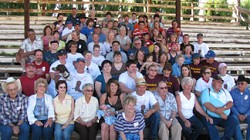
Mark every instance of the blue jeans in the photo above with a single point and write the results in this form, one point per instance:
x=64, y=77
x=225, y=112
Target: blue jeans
x=41, y=132
x=153, y=121
x=130, y=136
x=6, y=132
x=238, y=134
x=63, y=134
x=194, y=131
x=229, y=125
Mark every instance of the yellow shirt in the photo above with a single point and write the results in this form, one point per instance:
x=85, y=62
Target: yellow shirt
x=62, y=110
x=86, y=111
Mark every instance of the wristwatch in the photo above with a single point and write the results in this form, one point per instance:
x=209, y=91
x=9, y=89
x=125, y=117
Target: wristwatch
x=225, y=107
x=171, y=119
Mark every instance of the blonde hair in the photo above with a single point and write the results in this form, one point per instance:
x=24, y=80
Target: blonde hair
x=40, y=81
x=129, y=98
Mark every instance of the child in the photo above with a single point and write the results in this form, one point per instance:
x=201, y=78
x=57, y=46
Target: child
x=149, y=61
x=177, y=66
x=106, y=111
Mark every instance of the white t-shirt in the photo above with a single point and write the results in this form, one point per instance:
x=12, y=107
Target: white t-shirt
x=82, y=37
x=201, y=48
x=147, y=99
x=72, y=57
x=67, y=31
x=201, y=84
x=102, y=48
x=228, y=82
x=68, y=65
x=187, y=106
x=128, y=81
x=93, y=70
x=98, y=60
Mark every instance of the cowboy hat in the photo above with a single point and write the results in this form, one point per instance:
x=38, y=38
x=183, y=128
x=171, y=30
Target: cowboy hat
x=11, y=80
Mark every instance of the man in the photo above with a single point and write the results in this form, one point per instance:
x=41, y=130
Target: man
x=127, y=79
x=211, y=63
x=96, y=41
x=73, y=16
x=152, y=77
x=91, y=67
x=148, y=106
x=199, y=46
x=28, y=80
x=81, y=44
x=137, y=46
x=168, y=111
x=89, y=29
x=241, y=107
x=173, y=29
x=26, y=52
x=42, y=67
x=79, y=79
x=229, y=82
x=13, y=111
x=51, y=56
x=139, y=32
x=97, y=30
x=78, y=29
x=116, y=47
x=196, y=66
x=186, y=42
x=217, y=102
x=127, y=24
x=108, y=17
x=67, y=30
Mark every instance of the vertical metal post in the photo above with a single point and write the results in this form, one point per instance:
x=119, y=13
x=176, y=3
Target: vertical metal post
x=178, y=12
x=26, y=17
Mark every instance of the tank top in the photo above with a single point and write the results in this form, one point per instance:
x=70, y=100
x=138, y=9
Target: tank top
x=172, y=59
x=187, y=105
x=117, y=106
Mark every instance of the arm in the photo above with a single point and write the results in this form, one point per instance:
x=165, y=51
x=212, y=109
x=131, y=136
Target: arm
x=124, y=88
x=122, y=135
x=202, y=112
x=141, y=134
x=152, y=110
x=98, y=86
x=71, y=114
x=186, y=122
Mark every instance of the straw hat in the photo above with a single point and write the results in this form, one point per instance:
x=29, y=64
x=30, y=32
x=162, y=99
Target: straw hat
x=11, y=80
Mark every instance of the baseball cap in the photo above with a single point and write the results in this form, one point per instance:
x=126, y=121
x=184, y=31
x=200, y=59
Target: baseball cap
x=61, y=52
x=140, y=81
x=80, y=59
x=196, y=55
x=199, y=34
x=222, y=65
x=69, y=22
x=210, y=54
x=29, y=64
x=218, y=78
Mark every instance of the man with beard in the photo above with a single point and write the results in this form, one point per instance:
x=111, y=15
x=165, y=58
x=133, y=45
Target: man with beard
x=42, y=67
x=27, y=80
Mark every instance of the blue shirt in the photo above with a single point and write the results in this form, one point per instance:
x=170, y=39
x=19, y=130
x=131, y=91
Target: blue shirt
x=219, y=99
x=102, y=38
x=41, y=111
x=176, y=70
x=133, y=50
x=188, y=60
x=241, y=101
x=86, y=31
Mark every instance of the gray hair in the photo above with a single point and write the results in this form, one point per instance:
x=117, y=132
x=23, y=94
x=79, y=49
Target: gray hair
x=186, y=80
x=129, y=98
x=88, y=85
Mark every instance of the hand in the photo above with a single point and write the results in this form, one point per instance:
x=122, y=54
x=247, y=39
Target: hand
x=209, y=119
x=148, y=114
x=89, y=123
x=169, y=124
x=188, y=124
x=48, y=123
x=223, y=116
x=16, y=130
x=241, y=117
x=65, y=126
x=220, y=110
x=38, y=123
x=132, y=75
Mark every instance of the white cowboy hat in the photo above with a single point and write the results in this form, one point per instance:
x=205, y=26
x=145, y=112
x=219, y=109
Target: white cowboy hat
x=11, y=80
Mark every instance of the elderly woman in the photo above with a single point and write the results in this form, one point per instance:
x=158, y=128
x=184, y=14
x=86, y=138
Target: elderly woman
x=41, y=112
x=85, y=114
x=123, y=38
x=13, y=111
x=114, y=98
x=130, y=124
x=186, y=102
x=64, y=112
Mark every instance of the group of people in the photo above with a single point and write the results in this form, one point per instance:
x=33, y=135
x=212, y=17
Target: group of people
x=120, y=76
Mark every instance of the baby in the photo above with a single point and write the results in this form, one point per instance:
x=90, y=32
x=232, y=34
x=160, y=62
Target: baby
x=105, y=111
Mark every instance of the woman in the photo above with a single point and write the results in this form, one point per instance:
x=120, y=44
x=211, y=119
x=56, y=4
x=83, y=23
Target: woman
x=155, y=33
x=85, y=114
x=123, y=38
x=41, y=112
x=157, y=52
x=163, y=60
x=130, y=121
x=47, y=37
x=64, y=112
x=117, y=67
x=158, y=27
x=108, y=43
x=204, y=82
x=101, y=80
x=56, y=36
x=187, y=52
x=186, y=102
x=114, y=98
x=139, y=58
x=186, y=72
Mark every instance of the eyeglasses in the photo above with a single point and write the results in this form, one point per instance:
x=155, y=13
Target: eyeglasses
x=62, y=87
x=240, y=83
x=207, y=72
x=89, y=90
x=163, y=88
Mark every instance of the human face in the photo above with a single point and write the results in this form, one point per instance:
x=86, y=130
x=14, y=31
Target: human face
x=150, y=59
x=180, y=61
x=152, y=71
x=140, y=56
x=141, y=26
x=163, y=58
x=73, y=48
x=106, y=68
x=187, y=87
x=111, y=36
x=95, y=38
x=41, y=88
x=156, y=48
x=207, y=74
x=197, y=61
x=174, y=47
x=48, y=31
x=118, y=58
x=130, y=107
x=223, y=71
x=116, y=47
x=56, y=36
x=166, y=73
x=132, y=68
x=12, y=90
x=97, y=51
x=200, y=39
x=186, y=39
x=113, y=88
x=217, y=85
x=74, y=12
x=39, y=56
x=174, y=25
x=80, y=66
x=210, y=60
x=123, y=32
x=62, y=57
x=242, y=86
x=88, y=57
x=88, y=91
x=185, y=71
x=137, y=44
x=155, y=32
x=75, y=37
x=30, y=70
x=188, y=50
x=91, y=24
x=162, y=89
x=31, y=35
x=62, y=89
x=140, y=90
x=54, y=46
x=77, y=27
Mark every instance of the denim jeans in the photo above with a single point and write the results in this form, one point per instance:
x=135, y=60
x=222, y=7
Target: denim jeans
x=6, y=132
x=153, y=121
x=229, y=125
x=194, y=131
x=63, y=134
x=238, y=134
x=41, y=132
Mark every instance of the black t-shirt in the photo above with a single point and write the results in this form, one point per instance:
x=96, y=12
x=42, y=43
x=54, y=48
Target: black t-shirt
x=81, y=46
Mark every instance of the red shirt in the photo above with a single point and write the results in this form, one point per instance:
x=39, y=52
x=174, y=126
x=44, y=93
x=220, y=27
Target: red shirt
x=28, y=85
x=140, y=33
x=42, y=70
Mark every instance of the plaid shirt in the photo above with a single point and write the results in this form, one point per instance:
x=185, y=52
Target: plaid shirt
x=13, y=110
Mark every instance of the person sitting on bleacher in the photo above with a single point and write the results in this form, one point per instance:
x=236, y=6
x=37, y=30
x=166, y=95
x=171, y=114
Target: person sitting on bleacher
x=217, y=102
x=241, y=106
x=229, y=82
x=26, y=52
x=42, y=67
x=211, y=63
x=13, y=111
x=196, y=66
x=199, y=46
x=67, y=30
x=51, y=56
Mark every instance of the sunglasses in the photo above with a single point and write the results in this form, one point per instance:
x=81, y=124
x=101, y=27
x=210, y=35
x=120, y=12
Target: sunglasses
x=240, y=83
x=163, y=88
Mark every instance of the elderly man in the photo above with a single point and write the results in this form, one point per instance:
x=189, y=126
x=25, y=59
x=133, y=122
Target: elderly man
x=90, y=66
x=241, y=107
x=137, y=46
x=168, y=111
x=96, y=41
x=116, y=47
x=78, y=29
x=127, y=78
x=217, y=102
x=13, y=111
x=26, y=53
x=148, y=106
x=79, y=79
x=211, y=63
x=229, y=82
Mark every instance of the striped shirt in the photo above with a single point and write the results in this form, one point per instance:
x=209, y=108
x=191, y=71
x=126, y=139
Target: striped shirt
x=11, y=111
x=133, y=127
